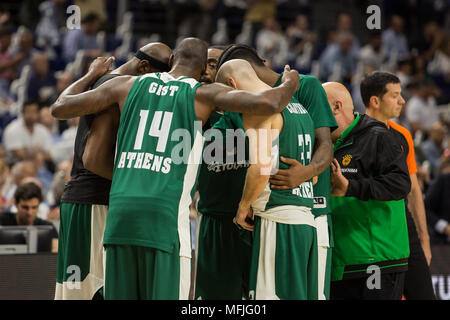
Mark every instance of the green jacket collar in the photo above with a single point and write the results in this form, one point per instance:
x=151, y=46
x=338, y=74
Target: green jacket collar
x=347, y=131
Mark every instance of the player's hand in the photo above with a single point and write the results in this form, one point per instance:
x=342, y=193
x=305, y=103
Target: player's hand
x=290, y=75
x=339, y=183
x=425, y=243
x=244, y=218
x=100, y=66
x=290, y=178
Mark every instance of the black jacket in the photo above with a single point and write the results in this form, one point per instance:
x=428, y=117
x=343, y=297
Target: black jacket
x=373, y=161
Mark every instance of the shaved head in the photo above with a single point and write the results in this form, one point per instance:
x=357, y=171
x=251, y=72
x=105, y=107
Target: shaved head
x=191, y=53
x=238, y=69
x=158, y=51
x=341, y=104
x=338, y=92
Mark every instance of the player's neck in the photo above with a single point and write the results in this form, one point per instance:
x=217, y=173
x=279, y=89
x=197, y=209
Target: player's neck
x=254, y=86
x=183, y=71
x=268, y=76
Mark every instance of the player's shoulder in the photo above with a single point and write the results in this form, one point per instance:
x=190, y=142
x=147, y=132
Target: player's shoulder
x=309, y=80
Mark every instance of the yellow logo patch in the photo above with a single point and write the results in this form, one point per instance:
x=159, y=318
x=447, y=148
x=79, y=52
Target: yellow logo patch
x=346, y=160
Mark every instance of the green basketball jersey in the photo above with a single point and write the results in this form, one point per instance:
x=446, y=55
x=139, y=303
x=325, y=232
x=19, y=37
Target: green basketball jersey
x=313, y=98
x=220, y=183
x=295, y=141
x=159, y=147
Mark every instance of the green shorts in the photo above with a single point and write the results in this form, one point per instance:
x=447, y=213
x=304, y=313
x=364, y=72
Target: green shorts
x=144, y=273
x=284, y=261
x=80, y=267
x=223, y=255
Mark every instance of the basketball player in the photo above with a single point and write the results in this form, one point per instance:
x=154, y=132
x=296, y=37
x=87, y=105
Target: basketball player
x=85, y=198
x=147, y=236
x=284, y=256
x=312, y=97
x=223, y=253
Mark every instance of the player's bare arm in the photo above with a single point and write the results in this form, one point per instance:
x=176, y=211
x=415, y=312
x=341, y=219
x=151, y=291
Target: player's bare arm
x=260, y=147
x=217, y=96
x=298, y=173
x=73, y=102
x=98, y=156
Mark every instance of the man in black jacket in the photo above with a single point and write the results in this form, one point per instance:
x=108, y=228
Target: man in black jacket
x=370, y=180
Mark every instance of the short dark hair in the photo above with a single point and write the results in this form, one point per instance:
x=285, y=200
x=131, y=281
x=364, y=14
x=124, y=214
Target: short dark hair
x=240, y=51
x=28, y=191
x=29, y=103
x=375, y=84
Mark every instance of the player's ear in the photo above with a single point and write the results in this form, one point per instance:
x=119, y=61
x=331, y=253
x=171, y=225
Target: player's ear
x=170, y=63
x=143, y=67
x=232, y=83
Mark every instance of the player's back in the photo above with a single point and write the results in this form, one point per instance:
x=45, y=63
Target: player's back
x=295, y=141
x=159, y=146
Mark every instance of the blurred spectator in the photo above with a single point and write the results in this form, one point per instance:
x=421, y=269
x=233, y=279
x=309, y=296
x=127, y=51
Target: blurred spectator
x=421, y=110
x=41, y=80
x=271, y=44
x=63, y=80
x=344, y=25
x=43, y=206
x=394, y=40
x=301, y=42
x=25, y=47
x=19, y=171
x=338, y=61
x=439, y=68
x=404, y=73
x=432, y=40
x=373, y=53
x=8, y=63
x=63, y=150
x=28, y=197
x=53, y=18
x=88, y=7
x=257, y=12
x=437, y=204
x=433, y=147
x=24, y=135
x=48, y=121
x=4, y=174
x=56, y=191
x=83, y=39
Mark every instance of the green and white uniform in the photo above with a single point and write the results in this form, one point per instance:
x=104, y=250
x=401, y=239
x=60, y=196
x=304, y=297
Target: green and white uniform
x=223, y=252
x=313, y=98
x=284, y=258
x=159, y=147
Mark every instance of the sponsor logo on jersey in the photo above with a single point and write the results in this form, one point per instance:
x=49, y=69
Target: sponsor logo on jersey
x=346, y=160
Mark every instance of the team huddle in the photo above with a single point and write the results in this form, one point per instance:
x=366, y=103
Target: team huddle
x=158, y=130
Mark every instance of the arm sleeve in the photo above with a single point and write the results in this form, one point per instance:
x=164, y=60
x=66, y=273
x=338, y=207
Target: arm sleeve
x=313, y=97
x=389, y=180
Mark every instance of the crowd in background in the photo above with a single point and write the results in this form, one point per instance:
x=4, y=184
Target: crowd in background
x=40, y=57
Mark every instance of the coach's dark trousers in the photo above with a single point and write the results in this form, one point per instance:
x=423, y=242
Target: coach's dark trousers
x=391, y=288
